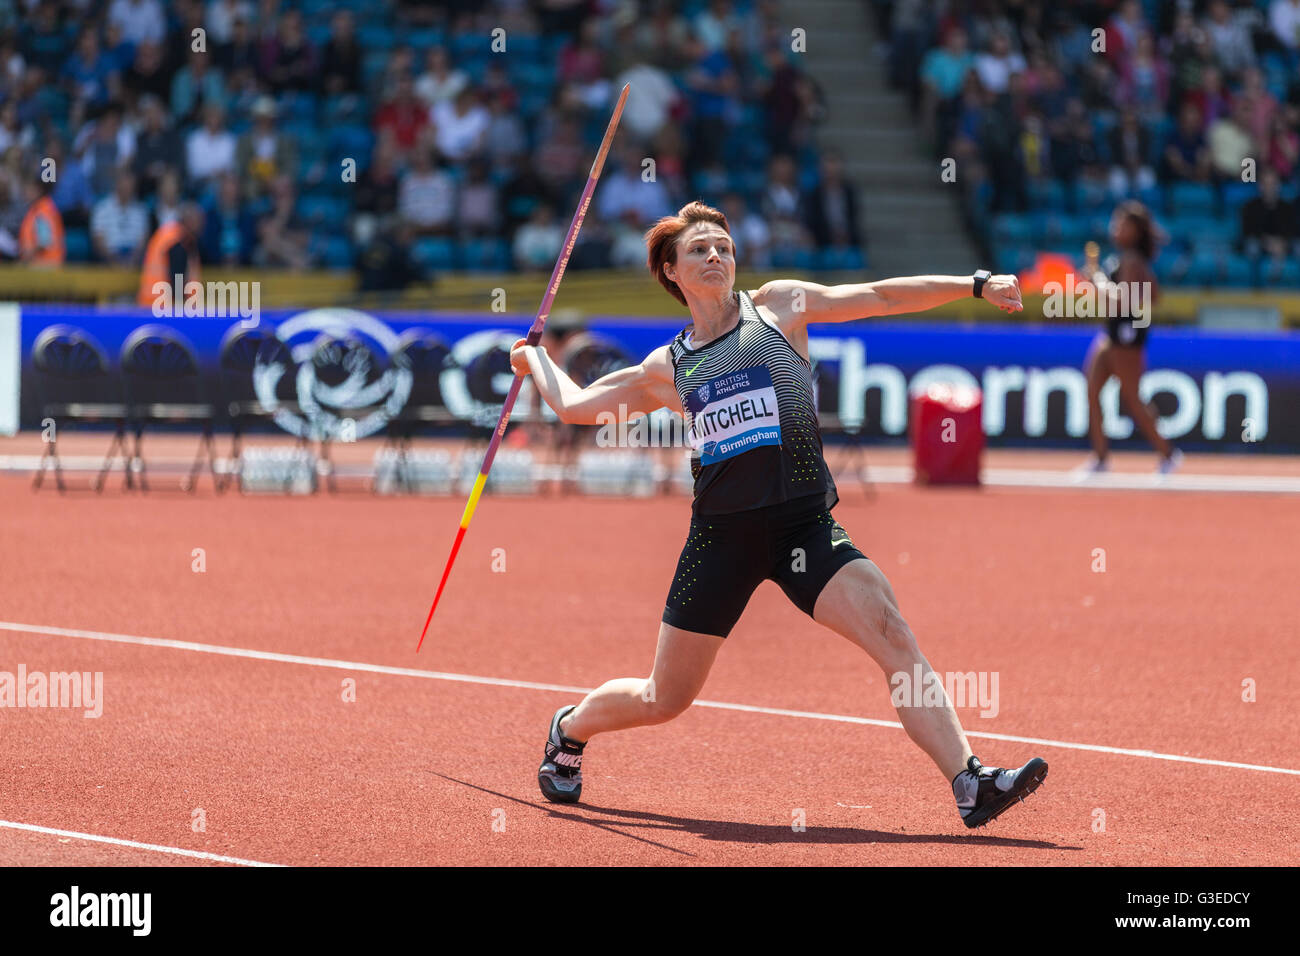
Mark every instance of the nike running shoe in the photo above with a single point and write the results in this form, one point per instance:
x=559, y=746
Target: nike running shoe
x=985, y=793
x=560, y=775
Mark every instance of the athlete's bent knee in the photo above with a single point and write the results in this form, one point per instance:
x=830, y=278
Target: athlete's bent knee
x=892, y=643
x=897, y=636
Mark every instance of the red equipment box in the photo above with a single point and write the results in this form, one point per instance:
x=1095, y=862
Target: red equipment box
x=947, y=434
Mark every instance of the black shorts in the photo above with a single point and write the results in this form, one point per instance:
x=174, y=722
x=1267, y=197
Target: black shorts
x=797, y=544
x=1124, y=334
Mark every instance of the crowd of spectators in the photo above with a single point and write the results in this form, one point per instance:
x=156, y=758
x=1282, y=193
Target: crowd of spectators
x=1057, y=106
x=393, y=137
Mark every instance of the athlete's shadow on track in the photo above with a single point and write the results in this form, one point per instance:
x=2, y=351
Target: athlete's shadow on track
x=731, y=831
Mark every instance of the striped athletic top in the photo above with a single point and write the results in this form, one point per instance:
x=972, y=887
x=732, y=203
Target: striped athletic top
x=751, y=417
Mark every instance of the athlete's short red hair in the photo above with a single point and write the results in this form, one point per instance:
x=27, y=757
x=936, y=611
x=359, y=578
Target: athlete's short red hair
x=661, y=240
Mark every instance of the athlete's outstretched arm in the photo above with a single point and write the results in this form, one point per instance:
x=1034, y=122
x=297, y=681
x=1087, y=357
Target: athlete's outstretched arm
x=796, y=302
x=637, y=389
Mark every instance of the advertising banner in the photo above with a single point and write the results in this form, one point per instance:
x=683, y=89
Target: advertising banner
x=337, y=370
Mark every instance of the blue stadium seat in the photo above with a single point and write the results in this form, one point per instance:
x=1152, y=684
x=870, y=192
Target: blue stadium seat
x=435, y=252
x=842, y=259
x=1099, y=227
x=308, y=137
x=530, y=74
x=1276, y=75
x=749, y=181
x=318, y=33
x=77, y=244
x=1187, y=198
x=1240, y=272
x=1094, y=197
x=1171, y=265
x=485, y=255
x=319, y=8
x=532, y=102
x=470, y=44
x=376, y=36
x=525, y=45
x=1022, y=258
x=756, y=152
x=1236, y=195
x=329, y=211
x=1204, y=231
x=1103, y=121
x=1064, y=228
x=1047, y=194
x=1161, y=129
x=317, y=172
x=334, y=251
x=1013, y=227
x=1153, y=197
x=1208, y=266
x=1290, y=278
x=794, y=259
x=423, y=39
x=554, y=44
x=709, y=181
x=299, y=106
x=351, y=139
x=345, y=108
x=373, y=64
x=474, y=66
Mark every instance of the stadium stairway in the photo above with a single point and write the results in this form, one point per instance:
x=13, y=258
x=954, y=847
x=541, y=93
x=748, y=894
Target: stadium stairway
x=911, y=221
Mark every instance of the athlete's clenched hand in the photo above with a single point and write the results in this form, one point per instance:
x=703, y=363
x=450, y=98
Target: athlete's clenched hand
x=1004, y=292
x=519, y=357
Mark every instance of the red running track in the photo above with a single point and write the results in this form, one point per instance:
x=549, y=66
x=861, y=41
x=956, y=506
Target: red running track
x=1198, y=595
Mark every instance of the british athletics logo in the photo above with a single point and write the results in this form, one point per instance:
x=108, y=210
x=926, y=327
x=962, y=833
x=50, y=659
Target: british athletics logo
x=733, y=414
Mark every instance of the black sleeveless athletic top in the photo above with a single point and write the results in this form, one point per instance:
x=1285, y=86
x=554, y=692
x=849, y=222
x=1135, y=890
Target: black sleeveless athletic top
x=1120, y=329
x=751, y=418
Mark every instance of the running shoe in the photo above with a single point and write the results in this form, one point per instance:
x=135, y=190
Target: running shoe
x=985, y=793
x=560, y=775
x=1170, y=464
x=1093, y=466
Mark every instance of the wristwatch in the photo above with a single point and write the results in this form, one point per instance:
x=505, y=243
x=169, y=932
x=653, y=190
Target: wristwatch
x=982, y=276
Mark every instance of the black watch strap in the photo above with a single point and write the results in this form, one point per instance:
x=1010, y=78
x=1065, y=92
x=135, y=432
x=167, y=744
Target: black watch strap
x=982, y=276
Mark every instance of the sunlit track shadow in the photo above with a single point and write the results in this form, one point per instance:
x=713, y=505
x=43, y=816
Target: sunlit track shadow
x=730, y=831
x=554, y=810
x=737, y=832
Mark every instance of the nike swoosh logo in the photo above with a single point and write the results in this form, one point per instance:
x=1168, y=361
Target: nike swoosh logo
x=836, y=544
x=697, y=365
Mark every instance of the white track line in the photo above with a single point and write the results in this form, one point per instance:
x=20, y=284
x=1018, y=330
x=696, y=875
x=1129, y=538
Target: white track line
x=564, y=688
x=151, y=847
x=1112, y=481
x=876, y=474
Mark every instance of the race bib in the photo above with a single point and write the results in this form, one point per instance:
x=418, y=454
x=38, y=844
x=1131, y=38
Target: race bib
x=733, y=413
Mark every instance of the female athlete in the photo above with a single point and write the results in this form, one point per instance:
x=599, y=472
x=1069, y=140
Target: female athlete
x=741, y=377
x=1127, y=286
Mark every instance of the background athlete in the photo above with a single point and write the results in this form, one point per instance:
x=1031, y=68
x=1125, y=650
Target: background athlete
x=1120, y=349
x=741, y=376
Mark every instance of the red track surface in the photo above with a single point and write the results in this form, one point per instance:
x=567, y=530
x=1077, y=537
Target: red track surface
x=1199, y=594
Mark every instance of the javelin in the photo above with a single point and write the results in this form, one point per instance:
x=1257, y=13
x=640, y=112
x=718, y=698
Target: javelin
x=534, y=336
